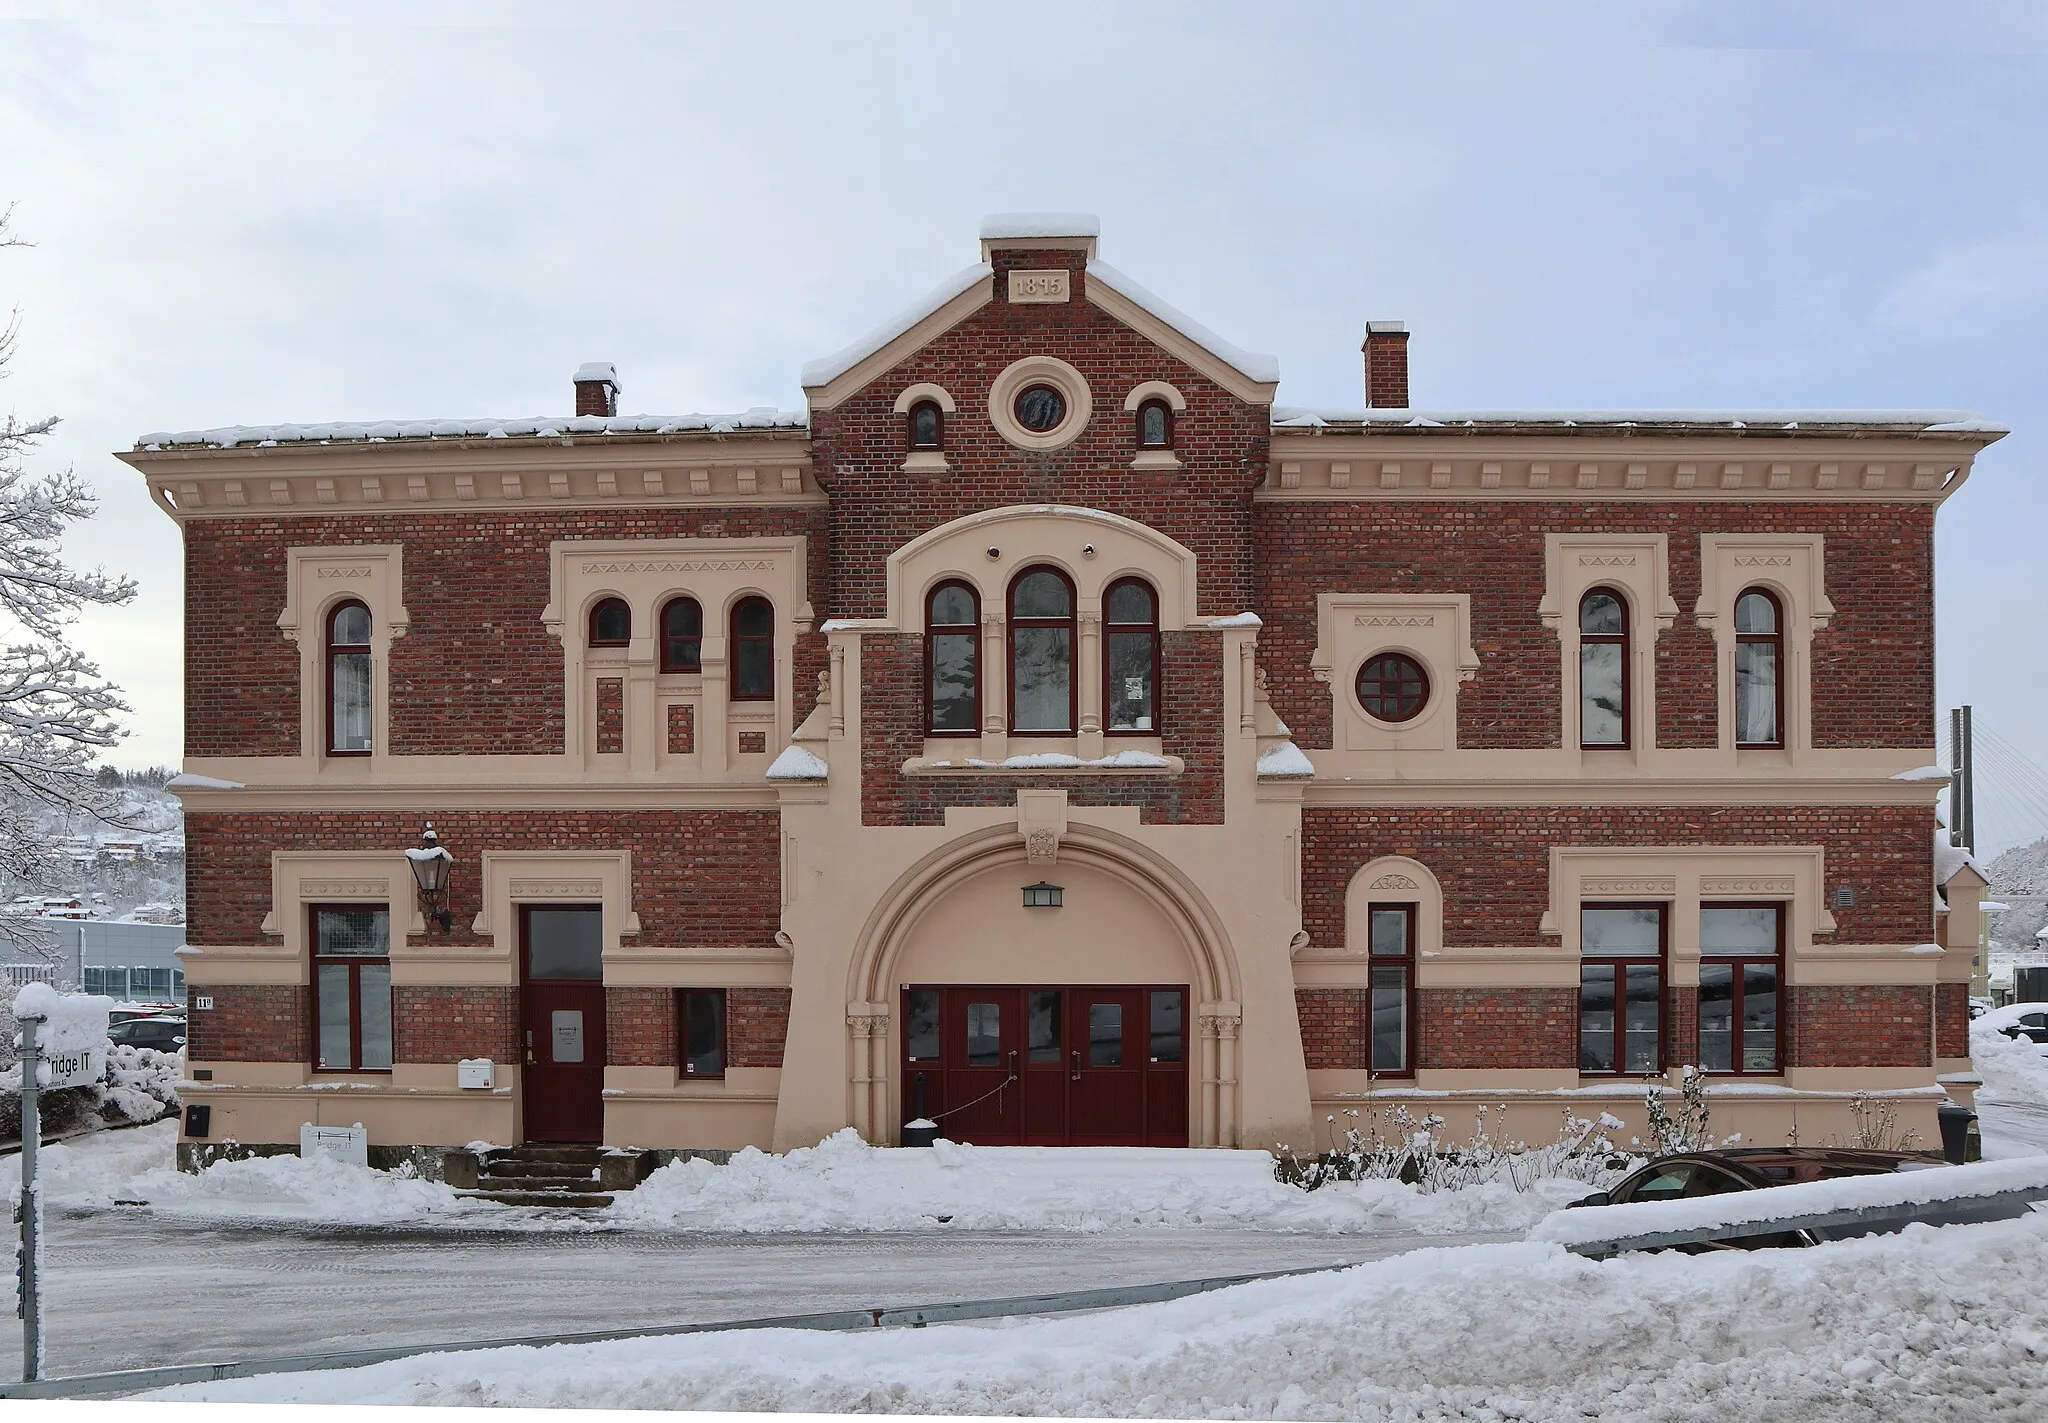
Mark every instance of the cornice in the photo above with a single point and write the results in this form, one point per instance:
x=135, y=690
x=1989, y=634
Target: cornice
x=1711, y=791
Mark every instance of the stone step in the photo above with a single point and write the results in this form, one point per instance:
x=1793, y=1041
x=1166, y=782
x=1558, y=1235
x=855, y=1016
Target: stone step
x=532, y=1151
x=510, y=1165
x=580, y=1186
x=573, y=1199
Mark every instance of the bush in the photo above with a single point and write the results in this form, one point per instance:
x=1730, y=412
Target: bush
x=1393, y=1144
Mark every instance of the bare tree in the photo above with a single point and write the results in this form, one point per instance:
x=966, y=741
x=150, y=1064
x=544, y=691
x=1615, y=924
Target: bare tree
x=57, y=711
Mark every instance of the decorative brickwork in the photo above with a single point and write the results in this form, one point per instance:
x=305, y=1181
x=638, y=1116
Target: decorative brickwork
x=1497, y=1027
x=1873, y=666
x=1682, y=1026
x=699, y=877
x=435, y=1023
x=476, y=673
x=876, y=507
x=1952, y=1019
x=756, y=1026
x=1494, y=861
x=252, y=1023
x=753, y=742
x=1335, y=1026
x=611, y=716
x=1861, y=1025
x=640, y=1026
x=1191, y=720
x=682, y=729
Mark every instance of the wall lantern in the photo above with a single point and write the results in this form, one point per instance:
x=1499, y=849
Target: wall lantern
x=1043, y=896
x=430, y=866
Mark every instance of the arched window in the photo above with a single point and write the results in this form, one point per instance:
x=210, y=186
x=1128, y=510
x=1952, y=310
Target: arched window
x=1155, y=425
x=1603, y=669
x=682, y=635
x=952, y=651
x=348, y=680
x=753, y=650
x=1130, y=651
x=1759, y=670
x=611, y=623
x=926, y=426
x=1041, y=651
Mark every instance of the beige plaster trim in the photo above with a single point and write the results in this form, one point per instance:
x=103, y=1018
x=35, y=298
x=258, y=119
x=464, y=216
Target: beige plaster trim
x=1636, y=566
x=1155, y=390
x=431, y=784
x=1176, y=344
x=925, y=390
x=1513, y=778
x=515, y=877
x=316, y=581
x=1792, y=566
x=1156, y=461
x=1391, y=879
x=743, y=966
x=925, y=462
x=1076, y=243
x=1433, y=628
x=301, y=878
x=269, y=966
x=1040, y=370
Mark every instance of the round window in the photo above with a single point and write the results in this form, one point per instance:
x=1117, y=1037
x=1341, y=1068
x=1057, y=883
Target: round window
x=1392, y=687
x=1040, y=408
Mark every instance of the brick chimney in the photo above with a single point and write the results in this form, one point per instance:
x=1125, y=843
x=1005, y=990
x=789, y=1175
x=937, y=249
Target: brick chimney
x=1386, y=365
x=597, y=389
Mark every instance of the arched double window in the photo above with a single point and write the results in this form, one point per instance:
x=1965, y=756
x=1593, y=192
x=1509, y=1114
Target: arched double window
x=925, y=426
x=1041, y=651
x=1759, y=670
x=1155, y=425
x=682, y=635
x=611, y=623
x=952, y=653
x=1603, y=670
x=1130, y=652
x=348, y=679
x=753, y=650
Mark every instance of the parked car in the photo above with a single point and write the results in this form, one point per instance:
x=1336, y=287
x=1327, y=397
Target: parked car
x=2030, y=1025
x=163, y=1034
x=1687, y=1175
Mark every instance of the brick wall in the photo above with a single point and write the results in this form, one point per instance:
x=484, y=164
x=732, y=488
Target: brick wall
x=439, y=1023
x=858, y=446
x=1494, y=862
x=682, y=729
x=252, y=1023
x=699, y=877
x=1841, y=1025
x=1873, y=666
x=1682, y=1025
x=892, y=731
x=477, y=673
x=1497, y=1027
x=611, y=716
x=1952, y=1019
x=1336, y=1026
x=640, y=1027
x=757, y=1026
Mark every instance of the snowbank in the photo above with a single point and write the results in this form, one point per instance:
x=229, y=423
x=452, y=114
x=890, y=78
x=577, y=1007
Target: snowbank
x=843, y=1184
x=2013, y=1069
x=1925, y=1324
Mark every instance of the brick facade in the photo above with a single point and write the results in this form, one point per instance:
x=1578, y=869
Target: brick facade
x=640, y=1026
x=1497, y=1027
x=439, y=1023
x=1861, y=1025
x=253, y=1022
x=1952, y=1019
x=756, y=1026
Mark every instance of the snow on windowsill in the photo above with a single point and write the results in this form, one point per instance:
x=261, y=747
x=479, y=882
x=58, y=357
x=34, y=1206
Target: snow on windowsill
x=1924, y=773
x=1238, y=620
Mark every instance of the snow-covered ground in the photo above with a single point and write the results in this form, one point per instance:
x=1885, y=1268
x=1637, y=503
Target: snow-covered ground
x=1926, y=1325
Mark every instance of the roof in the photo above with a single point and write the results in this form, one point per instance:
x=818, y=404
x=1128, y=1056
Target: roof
x=1647, y=421
x=999, y=225
x=761, y=417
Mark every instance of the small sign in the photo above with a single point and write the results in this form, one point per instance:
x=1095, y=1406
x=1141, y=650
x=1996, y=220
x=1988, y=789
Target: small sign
x=1039, y=285
x=203, y=1002
x=350, y=1144
x=568, y=1026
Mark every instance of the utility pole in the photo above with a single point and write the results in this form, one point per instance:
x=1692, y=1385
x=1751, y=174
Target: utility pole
x=29, y=1214
x=1962, y=786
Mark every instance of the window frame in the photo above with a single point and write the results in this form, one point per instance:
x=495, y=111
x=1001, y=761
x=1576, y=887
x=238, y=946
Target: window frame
x=1776, y=641
x=1618, y=964
x=911, y=444
x=1421, y=674
x=723, y=999
x=1405, y=961
x=335, y=650
x=315, y=960
x=1736, y=963
x=1621, y=640
x=1165, y=408
x=1150, y=630
x=591, y=638
x=736, y=641
x=1071, y=622
x=661, y=624
x=931, y=629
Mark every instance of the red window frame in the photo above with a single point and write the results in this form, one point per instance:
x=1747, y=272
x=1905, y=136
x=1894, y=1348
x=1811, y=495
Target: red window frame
x=1069, y=622
x=717, y=1001
x=1405, y=962
x=1621, y=640
x=1165, y=409
x=1775, y=640
x=598, y=610
x=973, y=630
x=354, y=962
x=1736, y=963
x=670, y=639
x=1618, y=965
x=337, y=650
x=740, y=641
x=938, y=439
x=1149, y=629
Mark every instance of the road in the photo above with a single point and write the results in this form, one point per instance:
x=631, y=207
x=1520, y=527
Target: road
x=129, y=1291
x=2011, y=1127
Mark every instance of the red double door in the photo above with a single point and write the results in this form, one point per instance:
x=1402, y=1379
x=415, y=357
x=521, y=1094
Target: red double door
x=1048, y=1066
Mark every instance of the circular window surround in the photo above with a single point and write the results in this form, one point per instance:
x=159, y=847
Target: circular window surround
x=1430, y=700
x=1021, y=376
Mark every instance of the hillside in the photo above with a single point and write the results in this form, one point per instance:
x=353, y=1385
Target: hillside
x=2015, y=875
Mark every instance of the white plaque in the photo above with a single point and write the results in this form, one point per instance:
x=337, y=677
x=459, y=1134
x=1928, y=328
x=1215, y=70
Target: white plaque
x=1046, y=284
x=568, y=1026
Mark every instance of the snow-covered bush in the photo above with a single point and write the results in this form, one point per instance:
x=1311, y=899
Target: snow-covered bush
x=140, y=1085
x=1394, y=1144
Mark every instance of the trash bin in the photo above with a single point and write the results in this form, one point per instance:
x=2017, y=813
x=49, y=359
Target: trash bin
x=1955, y=1132
x=920, y=1132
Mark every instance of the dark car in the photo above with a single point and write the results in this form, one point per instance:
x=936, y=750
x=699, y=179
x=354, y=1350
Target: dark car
x=1712, y=1173
x=2028, y=1025
x=163, y=1034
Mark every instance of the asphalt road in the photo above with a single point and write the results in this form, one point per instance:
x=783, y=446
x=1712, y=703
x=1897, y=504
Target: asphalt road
x=2012, y=1124
x=130, y=1291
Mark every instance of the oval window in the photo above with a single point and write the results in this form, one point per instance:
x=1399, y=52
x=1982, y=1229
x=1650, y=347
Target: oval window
x=1040, y=408
x=1393, y=687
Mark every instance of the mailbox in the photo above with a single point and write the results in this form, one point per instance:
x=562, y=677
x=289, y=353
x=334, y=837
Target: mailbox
x=474, y=1073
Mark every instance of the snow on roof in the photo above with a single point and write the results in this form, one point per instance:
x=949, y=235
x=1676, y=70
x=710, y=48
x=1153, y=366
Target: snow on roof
x=829, y=368
x=998, y=225
x=761, y=417
x=1255, y=365
x=1949, y=860
x=797, y=763
x=1296, y=417
x=598, y=370
x=1285, y=760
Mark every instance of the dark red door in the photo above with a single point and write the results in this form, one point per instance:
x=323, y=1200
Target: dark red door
x=561, y=953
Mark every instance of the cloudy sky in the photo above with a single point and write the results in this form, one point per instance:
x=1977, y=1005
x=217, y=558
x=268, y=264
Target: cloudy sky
x=265, y=212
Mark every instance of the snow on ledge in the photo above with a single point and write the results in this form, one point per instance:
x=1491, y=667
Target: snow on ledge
x=1296, y=417
x=798, y=764
x=1923, y=773
x=1925, y=949
x=998, y=225
x=227, y=437
x=1238, y=620
x=1253, y=364
x=1285, y=761
x=201, y=783
x=827, y=369
x=1057, y=761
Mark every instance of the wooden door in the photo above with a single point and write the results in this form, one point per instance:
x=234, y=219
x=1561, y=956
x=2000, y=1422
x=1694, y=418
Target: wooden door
x=561, y=954
x=983, y=1045
x=1106, y=1061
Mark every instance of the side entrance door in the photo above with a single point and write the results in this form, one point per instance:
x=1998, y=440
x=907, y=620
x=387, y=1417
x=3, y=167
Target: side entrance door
x=561, y=953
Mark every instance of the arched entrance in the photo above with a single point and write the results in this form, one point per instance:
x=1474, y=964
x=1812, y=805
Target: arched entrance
x=1110, y=1019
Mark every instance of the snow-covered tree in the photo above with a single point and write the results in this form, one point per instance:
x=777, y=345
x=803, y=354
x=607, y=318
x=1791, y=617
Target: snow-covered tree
x=57, y=712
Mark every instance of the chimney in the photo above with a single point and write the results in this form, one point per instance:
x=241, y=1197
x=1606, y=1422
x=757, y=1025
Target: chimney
x=1386, y=365
x=597, y=389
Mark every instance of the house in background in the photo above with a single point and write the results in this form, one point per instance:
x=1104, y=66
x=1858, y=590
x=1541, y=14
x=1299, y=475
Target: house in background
x=1046, y=734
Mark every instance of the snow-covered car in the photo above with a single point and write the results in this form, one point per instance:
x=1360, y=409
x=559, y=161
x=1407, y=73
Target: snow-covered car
x=1688, y=1175
x=162, y=1034
x=2018, y=1021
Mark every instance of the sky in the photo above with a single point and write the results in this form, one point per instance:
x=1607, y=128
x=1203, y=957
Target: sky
x=253, y=213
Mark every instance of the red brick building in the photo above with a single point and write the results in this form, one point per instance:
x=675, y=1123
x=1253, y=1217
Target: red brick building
x=1046, y=734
